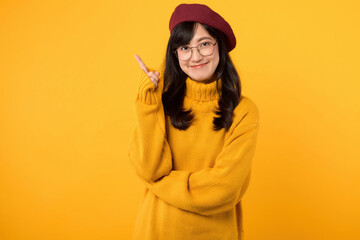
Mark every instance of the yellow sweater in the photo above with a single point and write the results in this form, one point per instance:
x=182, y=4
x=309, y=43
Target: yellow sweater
x=194, y=179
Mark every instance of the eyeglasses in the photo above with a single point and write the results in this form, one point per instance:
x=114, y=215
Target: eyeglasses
x=184, y=53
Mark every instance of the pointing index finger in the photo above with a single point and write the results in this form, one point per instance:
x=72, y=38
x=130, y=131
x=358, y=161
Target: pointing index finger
x=141, y=63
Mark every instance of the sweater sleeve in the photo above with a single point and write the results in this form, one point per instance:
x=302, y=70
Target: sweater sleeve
x=217, y=189
x=149, y=152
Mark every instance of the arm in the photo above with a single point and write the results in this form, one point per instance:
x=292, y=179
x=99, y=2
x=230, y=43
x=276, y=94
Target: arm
x=149, y=151
x=208, y=191
x=218, y=189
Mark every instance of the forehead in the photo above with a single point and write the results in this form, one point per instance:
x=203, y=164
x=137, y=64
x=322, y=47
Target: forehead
x=200, y=34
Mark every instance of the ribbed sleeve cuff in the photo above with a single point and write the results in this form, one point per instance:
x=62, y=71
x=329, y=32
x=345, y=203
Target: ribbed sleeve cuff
x=147, y=91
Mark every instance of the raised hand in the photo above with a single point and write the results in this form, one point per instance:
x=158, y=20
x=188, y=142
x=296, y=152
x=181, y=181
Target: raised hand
x=153, y=76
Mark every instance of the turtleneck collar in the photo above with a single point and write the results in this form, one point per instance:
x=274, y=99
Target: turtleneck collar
x=203, y=92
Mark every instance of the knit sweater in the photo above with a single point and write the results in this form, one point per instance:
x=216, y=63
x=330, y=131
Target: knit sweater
x=195, y=178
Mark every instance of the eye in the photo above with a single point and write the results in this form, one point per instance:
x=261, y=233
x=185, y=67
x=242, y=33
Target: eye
x=204, y=44
x=184, y=48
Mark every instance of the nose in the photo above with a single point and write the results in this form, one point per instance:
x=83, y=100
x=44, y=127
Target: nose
x=195, y=56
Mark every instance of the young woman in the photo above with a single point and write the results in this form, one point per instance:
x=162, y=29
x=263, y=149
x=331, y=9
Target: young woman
x=195, y=134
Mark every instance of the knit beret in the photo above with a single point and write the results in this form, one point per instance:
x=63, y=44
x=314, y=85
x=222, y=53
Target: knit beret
x=202, y=14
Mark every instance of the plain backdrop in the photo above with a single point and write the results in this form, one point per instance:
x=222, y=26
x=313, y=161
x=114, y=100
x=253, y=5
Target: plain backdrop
x=68, y=78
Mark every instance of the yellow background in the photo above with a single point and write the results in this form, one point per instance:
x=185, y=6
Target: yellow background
x=68, y=78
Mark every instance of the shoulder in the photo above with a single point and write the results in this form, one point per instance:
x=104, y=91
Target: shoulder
x=245, y=113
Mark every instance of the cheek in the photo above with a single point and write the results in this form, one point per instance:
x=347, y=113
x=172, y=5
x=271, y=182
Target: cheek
x=182, y=66
x=216, y=57
x=216, y=61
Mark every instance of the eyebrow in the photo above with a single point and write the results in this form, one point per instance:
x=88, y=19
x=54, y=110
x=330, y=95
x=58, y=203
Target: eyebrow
x=200, y=39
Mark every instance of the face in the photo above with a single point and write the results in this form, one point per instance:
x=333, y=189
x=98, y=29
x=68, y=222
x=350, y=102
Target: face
x=198, y=67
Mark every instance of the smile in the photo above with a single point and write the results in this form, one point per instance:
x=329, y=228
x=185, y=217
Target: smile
x=199, y=66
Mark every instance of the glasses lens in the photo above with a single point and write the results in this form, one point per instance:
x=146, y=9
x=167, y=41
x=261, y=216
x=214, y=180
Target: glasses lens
x=183, y=53
x=206, y=48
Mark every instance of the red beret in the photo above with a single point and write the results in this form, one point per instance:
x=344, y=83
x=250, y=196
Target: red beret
x=202, y=14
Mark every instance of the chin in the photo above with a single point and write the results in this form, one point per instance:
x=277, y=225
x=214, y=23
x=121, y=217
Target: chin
x=198, y=79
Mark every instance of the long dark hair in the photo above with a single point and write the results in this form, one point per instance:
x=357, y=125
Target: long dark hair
x=175, y=86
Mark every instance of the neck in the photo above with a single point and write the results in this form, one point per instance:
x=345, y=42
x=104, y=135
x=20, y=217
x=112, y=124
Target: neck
x=207, y=81
x=203, y=91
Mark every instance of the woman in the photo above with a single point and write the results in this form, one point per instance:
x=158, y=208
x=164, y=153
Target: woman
x=195, y=134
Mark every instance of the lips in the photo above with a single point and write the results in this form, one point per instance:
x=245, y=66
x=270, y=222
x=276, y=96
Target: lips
x=199, y=66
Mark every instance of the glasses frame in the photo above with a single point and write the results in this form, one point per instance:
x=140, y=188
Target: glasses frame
x=197, y=47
